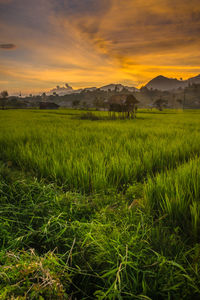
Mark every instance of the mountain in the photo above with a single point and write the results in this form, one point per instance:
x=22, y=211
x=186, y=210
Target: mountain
x=163, y=83
x=195, y=79
x=92, y=89
x=117, y=88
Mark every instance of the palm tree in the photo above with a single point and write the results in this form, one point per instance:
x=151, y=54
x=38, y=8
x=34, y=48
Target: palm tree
x=3, y=97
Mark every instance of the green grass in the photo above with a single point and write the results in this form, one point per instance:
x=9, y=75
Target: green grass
x=102, y=209
x=89, y=156
x=177, y=194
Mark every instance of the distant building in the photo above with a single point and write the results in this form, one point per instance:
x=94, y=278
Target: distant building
x=48, y=105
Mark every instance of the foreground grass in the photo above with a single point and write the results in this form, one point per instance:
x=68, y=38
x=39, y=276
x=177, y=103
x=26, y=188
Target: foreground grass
x=177, y=194
x=99, y=210
x=88, y=248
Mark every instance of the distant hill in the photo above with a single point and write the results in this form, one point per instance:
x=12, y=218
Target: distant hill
x=195, y=79
x=163, y=83
x=67, y=90
x=117, y=88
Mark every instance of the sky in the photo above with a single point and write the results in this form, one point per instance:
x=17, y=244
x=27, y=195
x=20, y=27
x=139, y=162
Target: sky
x=45, y=43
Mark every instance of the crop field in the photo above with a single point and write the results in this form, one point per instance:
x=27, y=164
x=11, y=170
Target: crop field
x=99, y=209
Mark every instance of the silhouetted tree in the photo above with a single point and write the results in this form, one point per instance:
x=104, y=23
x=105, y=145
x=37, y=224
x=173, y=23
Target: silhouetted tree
x=180, y=101
x=3, y=97
x=75, y=103
x=44, y=97
x=160, y=104
x=85, y=105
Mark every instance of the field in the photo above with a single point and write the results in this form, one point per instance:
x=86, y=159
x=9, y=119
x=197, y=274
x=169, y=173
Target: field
x=99, y=209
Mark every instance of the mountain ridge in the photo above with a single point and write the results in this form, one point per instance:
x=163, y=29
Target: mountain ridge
x=163, y=83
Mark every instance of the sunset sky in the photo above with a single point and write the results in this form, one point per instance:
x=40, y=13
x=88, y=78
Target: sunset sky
x=44, y=43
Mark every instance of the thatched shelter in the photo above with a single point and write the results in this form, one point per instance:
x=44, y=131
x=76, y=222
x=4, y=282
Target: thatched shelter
x=125, y=105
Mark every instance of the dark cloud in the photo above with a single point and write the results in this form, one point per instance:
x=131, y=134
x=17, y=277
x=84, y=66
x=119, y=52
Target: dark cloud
x=7, y=46
x=80, y=7
x=85, y=15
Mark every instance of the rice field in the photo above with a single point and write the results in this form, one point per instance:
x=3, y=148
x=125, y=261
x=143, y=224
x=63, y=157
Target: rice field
x=102, y=209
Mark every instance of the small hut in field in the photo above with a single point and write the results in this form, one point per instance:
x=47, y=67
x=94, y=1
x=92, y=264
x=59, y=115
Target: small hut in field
x=48, y=105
